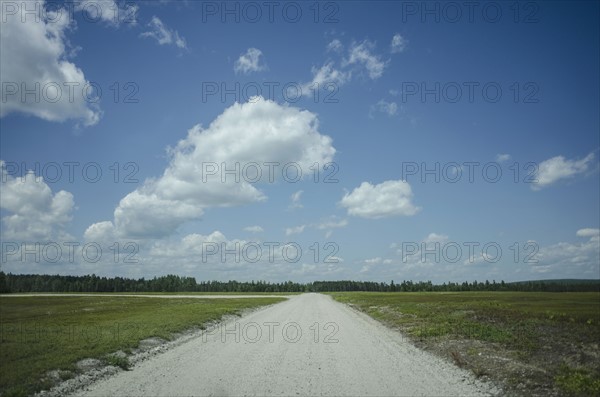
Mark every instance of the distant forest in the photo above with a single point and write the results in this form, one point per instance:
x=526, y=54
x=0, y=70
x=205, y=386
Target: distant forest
x=171, y=283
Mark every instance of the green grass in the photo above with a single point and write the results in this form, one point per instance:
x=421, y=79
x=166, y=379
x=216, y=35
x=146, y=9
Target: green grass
x=154, y=293
x=577, y=381
x=549, y=331
x=39, y=334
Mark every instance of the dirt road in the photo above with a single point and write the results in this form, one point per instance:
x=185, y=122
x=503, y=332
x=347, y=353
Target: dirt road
x=308, y=345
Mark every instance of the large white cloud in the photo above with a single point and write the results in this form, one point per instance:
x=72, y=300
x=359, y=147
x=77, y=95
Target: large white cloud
x=552, y=170
x=390, y=198
x=34, y=57
x=35, y=213
x=255, y=133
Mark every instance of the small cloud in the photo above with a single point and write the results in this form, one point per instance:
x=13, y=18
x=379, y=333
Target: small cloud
x=294, y=230
x=389, y=108
x=398, y=44
x=325, y=75
x=501, y=158
x=361, y=53
x=295, y=198
x=435, y=238
x=332, y=223
x=250, y=62
x=335, y=45
x=163, y=34
x=588, y=232
x=370, y=263
x=389, y=198
x=557, y=168
x=254, y=229
x=108, y=11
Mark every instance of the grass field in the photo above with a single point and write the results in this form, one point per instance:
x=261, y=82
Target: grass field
x=534, y=343
x=39, y=334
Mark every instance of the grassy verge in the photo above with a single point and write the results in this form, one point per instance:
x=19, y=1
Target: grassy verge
x=533, y=343
x=40, y=334
x=154, y=293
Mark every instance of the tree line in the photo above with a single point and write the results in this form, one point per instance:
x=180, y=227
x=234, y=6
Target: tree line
x=14, y=283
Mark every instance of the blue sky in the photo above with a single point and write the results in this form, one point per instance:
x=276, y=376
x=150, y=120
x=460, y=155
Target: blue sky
x=403, y=87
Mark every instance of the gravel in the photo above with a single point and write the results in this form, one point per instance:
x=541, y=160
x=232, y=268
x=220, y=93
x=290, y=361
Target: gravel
x=308, y=345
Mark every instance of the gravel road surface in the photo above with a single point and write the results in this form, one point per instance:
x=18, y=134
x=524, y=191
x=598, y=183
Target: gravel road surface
x=309, y=345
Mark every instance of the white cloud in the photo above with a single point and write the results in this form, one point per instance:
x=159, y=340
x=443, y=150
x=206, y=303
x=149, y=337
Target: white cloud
x=332, y=223
x=204, y=248
x=335, y=45
x=36, y=214
x=398, y=44
x=482, y=257
x=259, y=131
x=254, y=229
x=581, y=260
x=361, y=53
x=100, y=232
x=501, y=158
x=163, y=34
x=424, y=253
x=294, y=230
x=557, y=168
x=34, y=57
x=369, y=264
x=435, y=238
x=588, y=232
x=390, y=198
x=295, y=198
x=108, y=11
x=154, y=211
x=323, y=77
x=389, y=108
x=313, y=271
x=250, y=62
